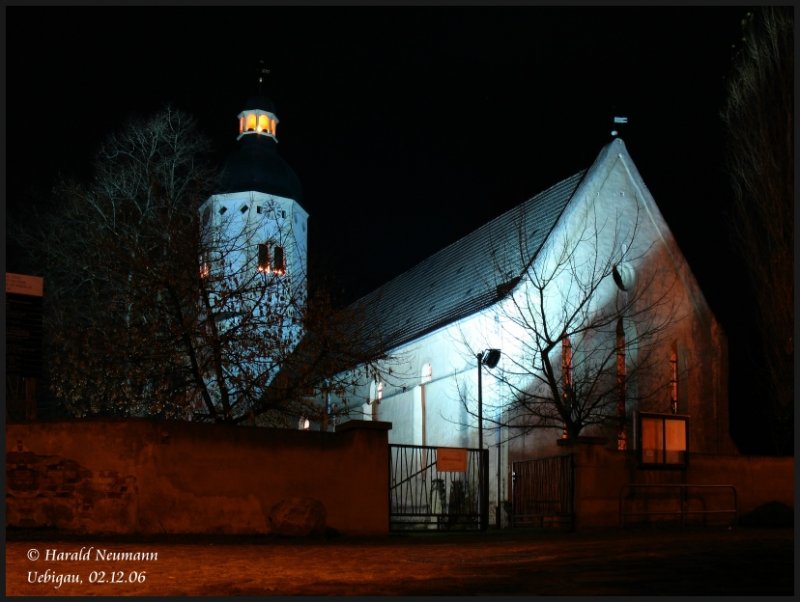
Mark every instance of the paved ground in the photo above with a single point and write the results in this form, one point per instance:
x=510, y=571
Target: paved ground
x=615, y=562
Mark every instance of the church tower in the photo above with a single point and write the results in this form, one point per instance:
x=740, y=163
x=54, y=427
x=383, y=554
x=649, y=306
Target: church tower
x=254, y=229
x=254, y=258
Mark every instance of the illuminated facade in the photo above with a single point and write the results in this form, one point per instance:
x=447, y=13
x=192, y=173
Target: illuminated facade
x=589, y=263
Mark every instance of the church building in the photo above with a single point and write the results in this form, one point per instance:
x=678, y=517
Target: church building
x=571, y=316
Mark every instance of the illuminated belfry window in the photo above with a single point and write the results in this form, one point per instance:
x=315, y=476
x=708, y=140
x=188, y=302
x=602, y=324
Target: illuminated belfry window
x=271, y=259
x=256, y=121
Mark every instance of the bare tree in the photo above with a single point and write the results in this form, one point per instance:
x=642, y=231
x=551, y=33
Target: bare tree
x=759, y=119
x=149, y=315
x=580, y=330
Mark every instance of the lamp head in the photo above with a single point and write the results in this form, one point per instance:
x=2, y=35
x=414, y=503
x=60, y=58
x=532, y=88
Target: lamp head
x=490, y=357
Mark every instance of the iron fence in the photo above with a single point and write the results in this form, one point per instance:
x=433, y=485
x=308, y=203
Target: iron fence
x=543, y=492
x=424, y=493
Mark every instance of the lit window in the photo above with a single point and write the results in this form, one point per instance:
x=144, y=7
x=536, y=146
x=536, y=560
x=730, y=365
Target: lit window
x=263, y=124
x=205, y=265
x=279, y=264
x=241, y=125
x=251, y=122
x=271, y=259
x=663, y=440
x=263, y=258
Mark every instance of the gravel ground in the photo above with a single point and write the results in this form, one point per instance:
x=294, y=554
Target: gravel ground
x=615, y=562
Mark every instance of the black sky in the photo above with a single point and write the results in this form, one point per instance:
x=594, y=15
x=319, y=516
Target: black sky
x=408, y=127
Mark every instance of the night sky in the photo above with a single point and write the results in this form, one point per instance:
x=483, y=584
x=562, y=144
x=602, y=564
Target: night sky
x=408, y=127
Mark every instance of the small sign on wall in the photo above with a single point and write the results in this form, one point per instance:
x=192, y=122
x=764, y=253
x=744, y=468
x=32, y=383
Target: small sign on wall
x=451, y=459
x=22, y=284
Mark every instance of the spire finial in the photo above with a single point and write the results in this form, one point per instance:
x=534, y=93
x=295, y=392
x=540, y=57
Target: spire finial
x=262, y=73
x=618, y=122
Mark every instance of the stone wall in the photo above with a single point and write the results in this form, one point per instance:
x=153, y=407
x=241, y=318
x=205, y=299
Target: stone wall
x=601, y=474
x=142, y=476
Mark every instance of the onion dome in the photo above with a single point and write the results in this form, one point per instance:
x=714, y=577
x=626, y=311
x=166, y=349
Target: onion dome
x=255, y=165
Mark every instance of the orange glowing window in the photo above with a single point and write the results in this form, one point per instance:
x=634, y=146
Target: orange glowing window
x=263, y=123
x=251, y=122
x=271, y=259
x=279, y=264
x=263, y=258
x=241, y=125
x=663, y=439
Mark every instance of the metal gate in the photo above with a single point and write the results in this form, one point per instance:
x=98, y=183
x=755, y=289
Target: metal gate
x=543, y=492
x=426, y=493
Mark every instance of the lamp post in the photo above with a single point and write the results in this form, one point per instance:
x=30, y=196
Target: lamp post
x=488, y=358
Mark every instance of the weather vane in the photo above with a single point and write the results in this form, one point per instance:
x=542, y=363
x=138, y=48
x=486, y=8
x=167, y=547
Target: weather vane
x=262, y=71
x=618, y=122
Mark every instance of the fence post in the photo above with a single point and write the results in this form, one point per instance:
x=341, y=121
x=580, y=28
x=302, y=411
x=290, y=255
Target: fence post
x=484, y=486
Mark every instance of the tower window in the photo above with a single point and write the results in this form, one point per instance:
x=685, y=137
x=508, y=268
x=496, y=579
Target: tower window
x=279, y=265
x=271, y=260
x=243, y=208
x=258, y=209
x=263, y=258
x=222, y=210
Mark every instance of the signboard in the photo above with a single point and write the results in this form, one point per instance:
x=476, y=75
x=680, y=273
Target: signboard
x=22, y=284
x=451, y=459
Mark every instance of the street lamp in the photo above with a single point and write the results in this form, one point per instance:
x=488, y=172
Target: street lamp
x=488, y=358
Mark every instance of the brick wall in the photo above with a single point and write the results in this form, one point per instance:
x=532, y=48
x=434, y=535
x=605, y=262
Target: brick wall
x=142, y=476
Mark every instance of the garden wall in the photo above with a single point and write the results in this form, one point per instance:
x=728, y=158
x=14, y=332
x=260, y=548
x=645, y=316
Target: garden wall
x=601, y=474
x=144, y=476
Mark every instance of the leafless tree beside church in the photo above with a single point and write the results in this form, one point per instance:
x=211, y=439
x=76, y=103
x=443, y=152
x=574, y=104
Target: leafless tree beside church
x=136, y=323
